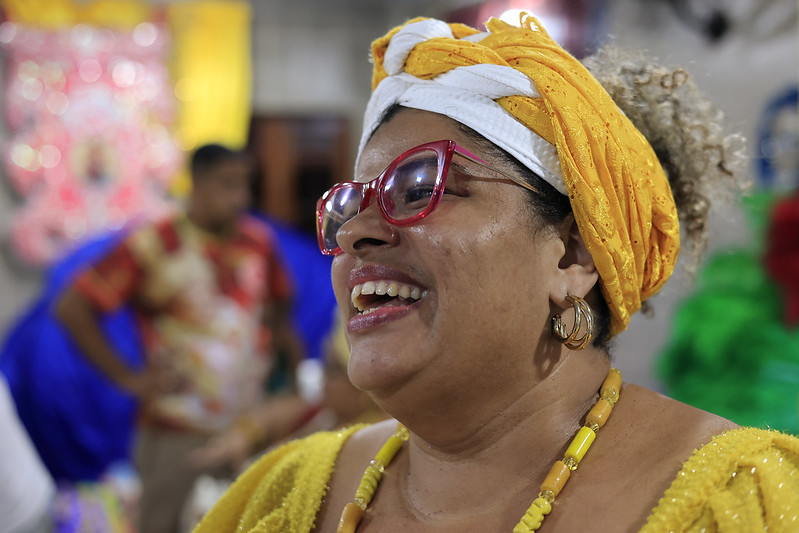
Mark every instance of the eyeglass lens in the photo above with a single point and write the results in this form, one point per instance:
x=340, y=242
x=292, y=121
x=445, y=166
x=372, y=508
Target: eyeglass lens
x=405, y=191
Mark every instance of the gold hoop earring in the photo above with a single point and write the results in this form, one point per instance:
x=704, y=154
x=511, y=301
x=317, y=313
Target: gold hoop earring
x=582, y=312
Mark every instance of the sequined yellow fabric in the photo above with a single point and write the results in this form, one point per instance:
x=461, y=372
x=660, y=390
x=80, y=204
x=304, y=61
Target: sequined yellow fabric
x=281, y=492
x=620, y=196
x=742, y=481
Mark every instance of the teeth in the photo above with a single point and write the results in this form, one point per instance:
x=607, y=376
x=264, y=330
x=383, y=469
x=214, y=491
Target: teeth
x=381, y=288
x=368, y=287
x=384, y=287
x=393, y=289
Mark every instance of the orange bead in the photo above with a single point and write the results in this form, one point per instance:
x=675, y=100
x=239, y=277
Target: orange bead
x=612, y=381
x=557, y=478
x=599, y=413
x=350, y=518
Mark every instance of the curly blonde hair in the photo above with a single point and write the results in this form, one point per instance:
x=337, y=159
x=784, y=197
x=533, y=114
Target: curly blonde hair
x=686, y=130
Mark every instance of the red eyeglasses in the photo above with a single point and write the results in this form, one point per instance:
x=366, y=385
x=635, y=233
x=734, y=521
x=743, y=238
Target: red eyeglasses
x=408, y=190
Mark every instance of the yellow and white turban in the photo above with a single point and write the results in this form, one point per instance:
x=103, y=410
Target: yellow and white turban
x=520, y=90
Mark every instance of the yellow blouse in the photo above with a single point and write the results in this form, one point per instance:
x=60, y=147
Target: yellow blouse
x=743, y=480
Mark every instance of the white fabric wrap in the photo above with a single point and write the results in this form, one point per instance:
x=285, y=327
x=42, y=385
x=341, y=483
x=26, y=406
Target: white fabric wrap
x=464, y=94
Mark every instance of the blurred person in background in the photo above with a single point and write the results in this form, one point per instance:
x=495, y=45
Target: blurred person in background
x=212, y=300
x=782, y=254
x=26, y=488
x=328, y=401
x=343, y=403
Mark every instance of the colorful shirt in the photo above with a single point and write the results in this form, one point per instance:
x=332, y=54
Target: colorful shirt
x=743, y=480
x=199, y=299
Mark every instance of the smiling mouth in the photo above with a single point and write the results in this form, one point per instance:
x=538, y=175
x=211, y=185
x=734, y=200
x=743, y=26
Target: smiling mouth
x=372, y=295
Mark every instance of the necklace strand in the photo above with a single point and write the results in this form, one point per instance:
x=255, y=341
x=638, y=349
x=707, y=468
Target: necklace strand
x=550, y=489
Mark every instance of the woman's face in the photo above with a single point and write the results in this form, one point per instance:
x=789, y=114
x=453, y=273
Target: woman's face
x=484, y=273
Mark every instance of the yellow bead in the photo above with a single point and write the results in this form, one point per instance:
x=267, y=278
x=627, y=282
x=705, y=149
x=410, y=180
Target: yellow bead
x=369, y=482
x=599, y=413
x=350, y=518
x=353, y=512
x=402, y=432
x=521, y=528
x=533, y=518
x=611, y=395
x=579, y=446
x=373, y=472
x=571, y=462
x=545, y=506
x=389, y=449
x=612, y=382
x=535, y=513
x=547, y=495
x=555, y=480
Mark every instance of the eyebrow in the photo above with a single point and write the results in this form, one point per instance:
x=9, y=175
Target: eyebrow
x=476, y=160
x=457, y=165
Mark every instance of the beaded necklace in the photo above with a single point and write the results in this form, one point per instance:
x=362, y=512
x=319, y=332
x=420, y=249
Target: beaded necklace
x=550, y=488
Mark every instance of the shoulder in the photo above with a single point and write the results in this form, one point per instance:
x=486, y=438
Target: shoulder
x=712, y=474
x=637, y=454
x=659, y=433
x=283, y=489
x=155, y=238
x=682, y=425
x=355, y=456
x=745, y=479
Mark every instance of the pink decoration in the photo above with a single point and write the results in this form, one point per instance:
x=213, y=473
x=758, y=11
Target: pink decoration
x=89, y=112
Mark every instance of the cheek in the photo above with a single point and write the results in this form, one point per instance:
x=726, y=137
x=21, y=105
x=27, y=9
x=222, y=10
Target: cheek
x=495, y=264
x=342, y=264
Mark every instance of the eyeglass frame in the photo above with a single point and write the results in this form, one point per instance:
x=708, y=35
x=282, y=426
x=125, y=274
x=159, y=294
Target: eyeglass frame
x=444, y=149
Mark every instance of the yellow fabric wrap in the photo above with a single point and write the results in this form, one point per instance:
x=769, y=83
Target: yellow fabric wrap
x=620, y=196
x=743, y=480
x=282, y=491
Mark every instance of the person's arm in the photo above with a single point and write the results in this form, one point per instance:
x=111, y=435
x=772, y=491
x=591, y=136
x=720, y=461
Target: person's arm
x=277, y=317
x=268, y=423
x=81, y=321
x=277, y=311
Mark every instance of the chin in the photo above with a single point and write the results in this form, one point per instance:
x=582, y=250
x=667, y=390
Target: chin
x=376, y=370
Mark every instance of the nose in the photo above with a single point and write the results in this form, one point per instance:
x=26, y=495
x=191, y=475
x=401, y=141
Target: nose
x=365, y=231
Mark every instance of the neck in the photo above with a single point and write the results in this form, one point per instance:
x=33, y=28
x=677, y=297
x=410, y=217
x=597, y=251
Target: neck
x=207, y=226
x=505, y=454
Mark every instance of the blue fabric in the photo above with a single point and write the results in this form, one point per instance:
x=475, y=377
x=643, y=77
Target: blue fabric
x=78, y=421
x=314, y=301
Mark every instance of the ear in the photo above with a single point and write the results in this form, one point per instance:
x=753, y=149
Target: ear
x=577, y=273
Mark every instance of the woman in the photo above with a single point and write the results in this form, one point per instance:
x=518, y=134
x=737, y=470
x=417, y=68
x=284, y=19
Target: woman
x=498, y=188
